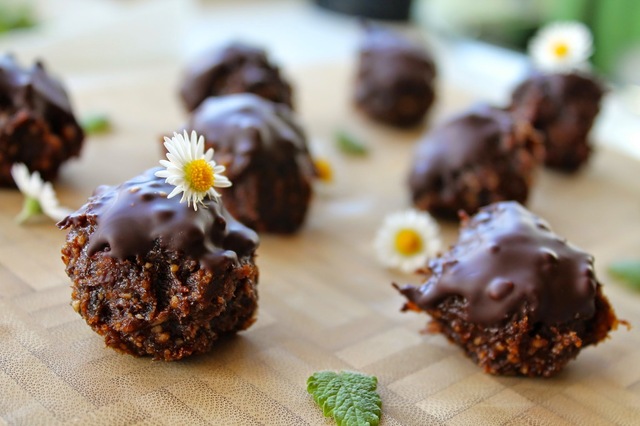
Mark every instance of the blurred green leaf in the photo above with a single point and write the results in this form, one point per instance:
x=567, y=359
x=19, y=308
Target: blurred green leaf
x=627, y=271
x=350, y=145
x=96, y=124
x=13, y=18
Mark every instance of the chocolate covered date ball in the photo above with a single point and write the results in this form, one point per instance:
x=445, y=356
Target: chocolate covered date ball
x=37, y=125
x=266, y=156
x=477, y=158
x=233, y=68
x=563, y=108
x=395, y=76
x=156, y=277
x=516, y=297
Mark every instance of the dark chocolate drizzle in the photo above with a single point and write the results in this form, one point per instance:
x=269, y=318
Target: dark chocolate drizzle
x=233, y=68
x=245, y=128
x=505, y=258
x=132, y=217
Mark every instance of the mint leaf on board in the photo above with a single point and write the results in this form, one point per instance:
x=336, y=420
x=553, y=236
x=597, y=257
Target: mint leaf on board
x=627, y=271
x=349, y=397
x=96, y=124
x=350, y=145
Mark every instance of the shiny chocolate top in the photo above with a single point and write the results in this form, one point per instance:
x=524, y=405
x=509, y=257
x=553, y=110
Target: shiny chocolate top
x=475, y=137
x=132, y=217
x=34, y=90
x=233, y=68
x=507, y=259
x=245, y=129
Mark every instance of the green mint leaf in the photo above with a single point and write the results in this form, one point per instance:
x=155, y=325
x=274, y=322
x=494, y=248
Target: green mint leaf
x=96, y=124
x=349, y=145
x=627, y=271
x=349, y=397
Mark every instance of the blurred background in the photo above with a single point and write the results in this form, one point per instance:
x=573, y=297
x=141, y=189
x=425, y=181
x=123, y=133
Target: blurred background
x=479, y=46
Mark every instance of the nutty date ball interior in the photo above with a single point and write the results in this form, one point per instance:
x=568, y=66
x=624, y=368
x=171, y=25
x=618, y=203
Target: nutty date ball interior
x=156, y=277
x=516, y=297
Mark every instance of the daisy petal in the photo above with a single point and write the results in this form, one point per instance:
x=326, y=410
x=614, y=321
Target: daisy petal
x=561, y=47
x=193, y=172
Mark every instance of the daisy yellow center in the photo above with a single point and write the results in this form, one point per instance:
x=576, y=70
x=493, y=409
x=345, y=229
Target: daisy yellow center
x=199, y=175
x=323, y=167
x=408, y=242
x=560, y=49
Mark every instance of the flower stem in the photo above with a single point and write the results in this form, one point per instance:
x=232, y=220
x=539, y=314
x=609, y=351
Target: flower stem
x=30, y=208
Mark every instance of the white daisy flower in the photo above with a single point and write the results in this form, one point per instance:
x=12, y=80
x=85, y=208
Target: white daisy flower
x=407, y=239
x=561, y=47
x=192, y=171
x=39, y=196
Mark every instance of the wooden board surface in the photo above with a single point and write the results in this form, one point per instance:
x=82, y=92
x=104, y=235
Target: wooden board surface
x=324, y=301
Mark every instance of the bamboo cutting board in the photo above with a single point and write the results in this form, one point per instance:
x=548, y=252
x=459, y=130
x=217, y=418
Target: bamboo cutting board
x=324, y=301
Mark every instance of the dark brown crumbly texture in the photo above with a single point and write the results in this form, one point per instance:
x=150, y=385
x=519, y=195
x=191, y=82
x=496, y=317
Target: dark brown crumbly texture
x=234, y=68
x=394, y=79
x=518, y=299
x=563, y=108
x=37, y=125
x=480, y=157
x=156, y=278
x=266, y=156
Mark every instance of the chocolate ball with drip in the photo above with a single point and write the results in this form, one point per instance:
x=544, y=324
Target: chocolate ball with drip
x=265, y=152
x=154, y=276
x=481, y=156
x=395, y=78
x=563, y=108
x=233, y=68
x=516, y=297
x=37, y=124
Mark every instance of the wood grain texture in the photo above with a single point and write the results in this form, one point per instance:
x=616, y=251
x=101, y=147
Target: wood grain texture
x=324, y=301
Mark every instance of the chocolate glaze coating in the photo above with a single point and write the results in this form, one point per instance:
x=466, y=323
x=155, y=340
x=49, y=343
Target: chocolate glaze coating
x=37, y=125
x=476, y=158
x=234, y=68
x=267, y=159
x=515, y=296
x=133, y=217
x=563, y=108
x=394, y=79
x=155, y=277
x=506, y=257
